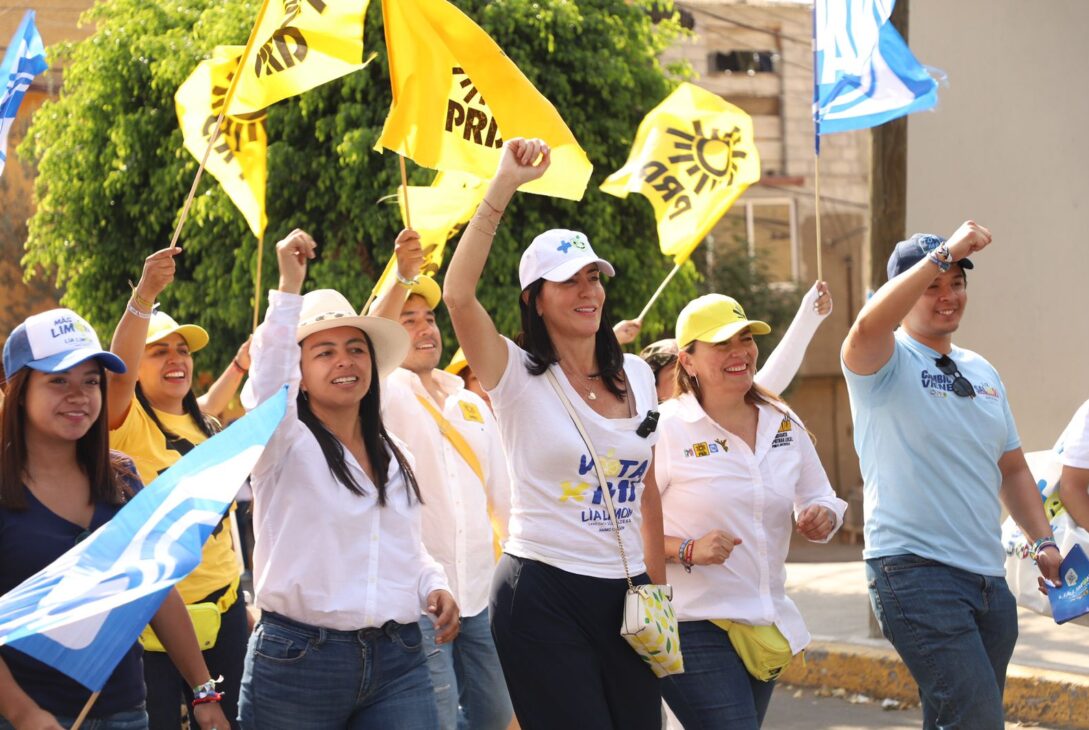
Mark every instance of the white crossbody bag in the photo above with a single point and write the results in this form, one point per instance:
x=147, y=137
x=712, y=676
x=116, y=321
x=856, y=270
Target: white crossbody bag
x=649, y=624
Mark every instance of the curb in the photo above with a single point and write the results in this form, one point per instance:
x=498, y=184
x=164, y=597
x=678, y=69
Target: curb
x=1033, y=695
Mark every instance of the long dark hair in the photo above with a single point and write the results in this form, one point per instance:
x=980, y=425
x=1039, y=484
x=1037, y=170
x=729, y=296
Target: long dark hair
x=207, y=425
x=375, y=440
x=105, y=469
x=534, y=339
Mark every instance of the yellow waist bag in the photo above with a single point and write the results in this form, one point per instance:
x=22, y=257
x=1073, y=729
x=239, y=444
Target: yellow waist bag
x=763, y=649
x=206, y=618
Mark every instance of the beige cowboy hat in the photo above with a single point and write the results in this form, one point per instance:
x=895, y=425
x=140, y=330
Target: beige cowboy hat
x=325, y=309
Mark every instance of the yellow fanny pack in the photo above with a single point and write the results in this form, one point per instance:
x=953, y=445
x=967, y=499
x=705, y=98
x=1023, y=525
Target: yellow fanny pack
x=763, y=649
x=206, y=618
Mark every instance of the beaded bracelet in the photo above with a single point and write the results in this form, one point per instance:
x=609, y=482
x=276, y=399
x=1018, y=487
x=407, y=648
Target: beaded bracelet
x=136, y=312
x=234, y=361
x=1043, y=542
x=687, y=549
x=206, y=692
x=681, y=549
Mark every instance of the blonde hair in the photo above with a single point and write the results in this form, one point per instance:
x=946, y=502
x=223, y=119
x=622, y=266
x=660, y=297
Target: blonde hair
x=755, y=395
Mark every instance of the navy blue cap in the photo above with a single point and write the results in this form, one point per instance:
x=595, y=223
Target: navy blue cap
x=915, y=249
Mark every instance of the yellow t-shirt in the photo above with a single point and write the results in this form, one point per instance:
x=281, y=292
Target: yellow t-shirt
x=141, y=439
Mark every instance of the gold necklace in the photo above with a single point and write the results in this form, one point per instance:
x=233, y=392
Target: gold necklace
x=590, y=394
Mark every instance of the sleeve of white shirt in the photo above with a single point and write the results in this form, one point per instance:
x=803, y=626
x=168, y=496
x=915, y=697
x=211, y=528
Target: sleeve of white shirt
x=783, y=363
x=432, y=576
x=813, y=487
x=1076, y=440
x=274, y=362
x=513, y=380
x=498, y=478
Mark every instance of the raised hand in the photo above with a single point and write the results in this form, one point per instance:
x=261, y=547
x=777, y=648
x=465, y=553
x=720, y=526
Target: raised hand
x=967, y=240
x=158, y=272
x=293, y=254
x=409, y=252
x=523, y=160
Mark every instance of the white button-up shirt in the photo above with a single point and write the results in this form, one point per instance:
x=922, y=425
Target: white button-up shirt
x=457, y=531
x=324, y=555
x=711, y=480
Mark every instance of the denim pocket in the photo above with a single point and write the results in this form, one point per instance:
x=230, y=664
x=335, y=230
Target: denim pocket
x=409, y=637
x=282, y=647
x=897, y=563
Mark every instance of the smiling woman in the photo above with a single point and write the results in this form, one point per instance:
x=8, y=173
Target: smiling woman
x=60, y=482
x=339, y=563
x=156, y=418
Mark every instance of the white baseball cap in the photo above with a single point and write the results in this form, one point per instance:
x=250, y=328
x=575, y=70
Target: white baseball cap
x=557, y=255
x=54, y=341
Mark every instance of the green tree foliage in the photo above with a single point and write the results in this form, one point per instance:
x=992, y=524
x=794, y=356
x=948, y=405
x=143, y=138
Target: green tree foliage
x=113, y=173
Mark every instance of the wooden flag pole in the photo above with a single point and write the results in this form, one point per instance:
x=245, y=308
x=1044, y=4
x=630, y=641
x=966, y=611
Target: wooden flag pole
x=404, y=191
x=658, y=293
x=817, y=206
x=257, y=281
x=219, y=122
x=85, y=710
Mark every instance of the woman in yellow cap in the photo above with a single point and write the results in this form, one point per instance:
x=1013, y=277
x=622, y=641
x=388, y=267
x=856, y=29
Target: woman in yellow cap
x=154, y=417
x=733, y=464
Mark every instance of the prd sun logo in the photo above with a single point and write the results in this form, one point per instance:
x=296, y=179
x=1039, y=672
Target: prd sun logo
x=237, y=129
x=713, y=155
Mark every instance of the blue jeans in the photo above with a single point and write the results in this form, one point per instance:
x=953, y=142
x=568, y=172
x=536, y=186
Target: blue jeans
x=467, y=673
x=134, y=719
x=715, y=690
x=954, y=630
x=301, y=677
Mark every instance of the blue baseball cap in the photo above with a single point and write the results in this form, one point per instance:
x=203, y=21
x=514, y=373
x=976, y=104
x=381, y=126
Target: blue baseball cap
x=915, y=249
x=54, y=341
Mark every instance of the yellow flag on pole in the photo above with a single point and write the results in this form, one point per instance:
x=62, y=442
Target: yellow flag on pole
x=239, y=158
x=437, y=211
x=443, y=67
x=693, y=156
x=305, y=44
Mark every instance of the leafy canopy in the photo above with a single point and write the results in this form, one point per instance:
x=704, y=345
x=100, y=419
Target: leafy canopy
x=113, y=173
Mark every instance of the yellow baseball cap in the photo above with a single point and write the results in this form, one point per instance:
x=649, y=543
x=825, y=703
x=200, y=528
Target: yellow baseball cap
x=428, y=288
x=162, y=325
x=457, y=363
x=714, y=318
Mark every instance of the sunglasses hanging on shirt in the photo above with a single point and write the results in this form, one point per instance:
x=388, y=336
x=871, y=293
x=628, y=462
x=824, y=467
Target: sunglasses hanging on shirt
x=961, y=386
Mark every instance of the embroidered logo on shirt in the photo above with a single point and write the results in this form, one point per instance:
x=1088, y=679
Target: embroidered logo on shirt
x=470, y=412
x=784, y=436
x=704, y=448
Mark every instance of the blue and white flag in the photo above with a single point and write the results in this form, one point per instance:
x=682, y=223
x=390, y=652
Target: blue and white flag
x=864, y=72
x=24, y=59
x=82, y=613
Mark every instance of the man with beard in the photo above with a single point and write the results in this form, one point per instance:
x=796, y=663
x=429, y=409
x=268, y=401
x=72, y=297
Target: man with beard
x=462, y=474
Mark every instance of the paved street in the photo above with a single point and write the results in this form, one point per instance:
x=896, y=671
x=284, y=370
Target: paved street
x=793, y=708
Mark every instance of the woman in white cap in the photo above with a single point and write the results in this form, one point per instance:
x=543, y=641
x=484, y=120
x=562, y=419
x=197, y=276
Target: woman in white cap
x=558, y=593
x=59, y=482
x=734, y=465
x=156, y=419
x=340, y=572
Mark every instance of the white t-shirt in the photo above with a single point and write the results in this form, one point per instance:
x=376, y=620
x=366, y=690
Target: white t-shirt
x=558, y=515
x=1074, y=443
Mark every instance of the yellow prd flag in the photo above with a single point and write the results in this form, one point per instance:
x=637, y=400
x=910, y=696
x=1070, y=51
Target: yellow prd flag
x=693, y=156
x=300, y=44
x=238, y=160
x=442, y=67
x=437, y=211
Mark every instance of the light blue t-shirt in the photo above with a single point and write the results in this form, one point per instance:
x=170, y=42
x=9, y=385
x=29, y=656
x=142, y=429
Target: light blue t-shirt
x=930, y=458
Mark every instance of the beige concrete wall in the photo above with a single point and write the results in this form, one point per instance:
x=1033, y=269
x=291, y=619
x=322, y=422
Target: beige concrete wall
x=1007, y=147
